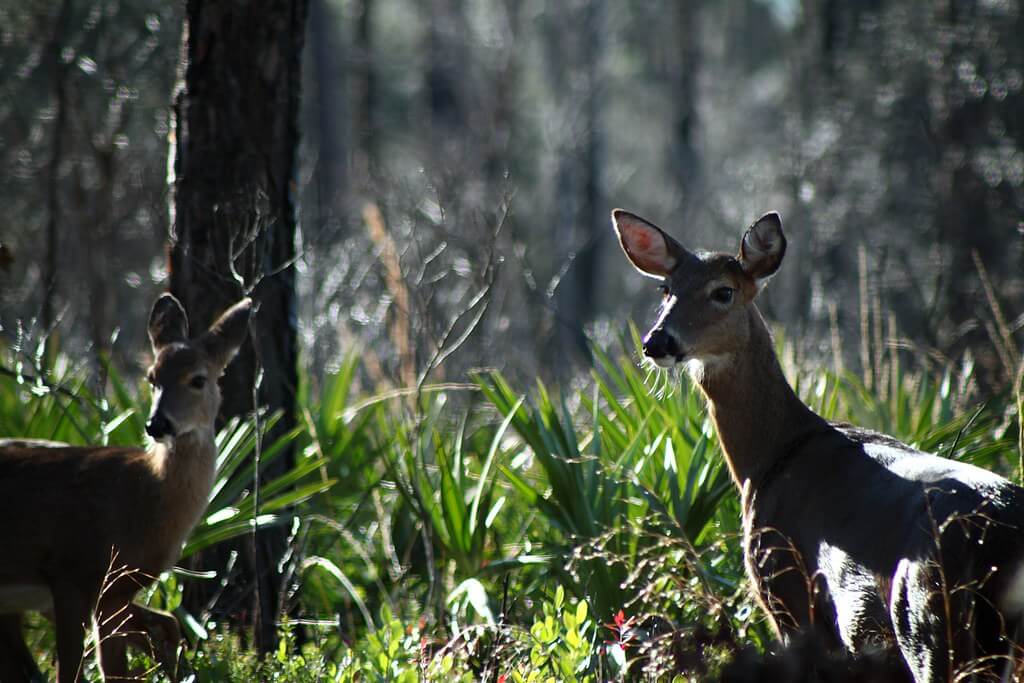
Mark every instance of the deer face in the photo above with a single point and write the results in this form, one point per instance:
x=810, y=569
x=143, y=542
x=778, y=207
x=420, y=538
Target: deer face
x=185, y=371
x=704, y=315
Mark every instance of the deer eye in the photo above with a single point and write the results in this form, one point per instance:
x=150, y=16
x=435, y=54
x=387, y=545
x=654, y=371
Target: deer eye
x=198, y=382
x=723, y=295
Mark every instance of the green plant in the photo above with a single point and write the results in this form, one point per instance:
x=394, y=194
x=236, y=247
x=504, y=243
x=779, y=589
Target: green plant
x=643, y=474
x=442, y=543
x=562, y=643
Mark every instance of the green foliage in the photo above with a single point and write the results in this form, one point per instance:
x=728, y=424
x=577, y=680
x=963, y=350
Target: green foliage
x=460, y=536
x=436, y=479
x=640, y=484
x=562, y=643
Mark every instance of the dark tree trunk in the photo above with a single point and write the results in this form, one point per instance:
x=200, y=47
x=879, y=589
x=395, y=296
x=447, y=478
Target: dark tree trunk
x=365, y=97
x=685, y=69
x=963, y=215
x=60, y=75
x=326, y=52
x=589, y=221
x=579, y=198
x=447, y=25
x=497, y=147
x=233, y=224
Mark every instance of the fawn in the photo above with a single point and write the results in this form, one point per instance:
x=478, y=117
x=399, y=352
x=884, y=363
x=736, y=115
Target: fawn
x=86, y=527
x=850, y=535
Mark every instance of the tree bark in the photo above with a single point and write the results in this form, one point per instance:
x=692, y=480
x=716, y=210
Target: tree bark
x=233, y=218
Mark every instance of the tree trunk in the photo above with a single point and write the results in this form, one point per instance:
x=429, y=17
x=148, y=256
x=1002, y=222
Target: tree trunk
x=445, y=61
x=326, y=52
x=579, y=198
x=233, y=219
x=60, y=75
x=365, y=96
x=684, y=159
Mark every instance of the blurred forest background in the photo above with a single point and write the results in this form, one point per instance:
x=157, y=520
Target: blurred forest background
x=495, y=135
x=457, y=165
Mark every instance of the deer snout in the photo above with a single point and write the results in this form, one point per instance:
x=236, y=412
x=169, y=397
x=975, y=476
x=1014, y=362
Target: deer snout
x=159, y=426
x=660, y=345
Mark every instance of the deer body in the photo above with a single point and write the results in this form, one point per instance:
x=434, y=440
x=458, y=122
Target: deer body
x=165, y=489
x=85, y=528
x=848, y=534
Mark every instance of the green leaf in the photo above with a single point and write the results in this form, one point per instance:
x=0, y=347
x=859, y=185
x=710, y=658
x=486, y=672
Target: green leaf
x=476, y=594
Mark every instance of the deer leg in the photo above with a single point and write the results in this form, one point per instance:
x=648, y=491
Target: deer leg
x=124, y=623
x=917, y=618
x=160, y=635
x=787, y=588
x=72, y=612
x=16, y=662
x=113, y=631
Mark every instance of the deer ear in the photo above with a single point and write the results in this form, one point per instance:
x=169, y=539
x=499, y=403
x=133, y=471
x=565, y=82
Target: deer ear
x=647, y=247
x=763, y=247
x=167, y=322
x=226, y=335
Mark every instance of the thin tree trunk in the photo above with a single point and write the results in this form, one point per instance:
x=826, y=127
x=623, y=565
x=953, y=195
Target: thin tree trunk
x=366, y=160
x=444, y=64
x=589, y=220
x=326, y=52
x=685, y=161
x=963, y=216
x=60, y=73
x=234, y=221
x=579, y=196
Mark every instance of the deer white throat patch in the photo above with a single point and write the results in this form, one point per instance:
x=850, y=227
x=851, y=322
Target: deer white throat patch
x=700, y=369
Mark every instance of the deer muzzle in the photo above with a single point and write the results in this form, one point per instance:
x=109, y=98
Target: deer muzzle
x=159, y=426
x=662, y=347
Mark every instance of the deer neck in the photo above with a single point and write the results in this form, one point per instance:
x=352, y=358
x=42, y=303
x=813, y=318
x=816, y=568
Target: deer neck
x=756, y=412
x=186, y=469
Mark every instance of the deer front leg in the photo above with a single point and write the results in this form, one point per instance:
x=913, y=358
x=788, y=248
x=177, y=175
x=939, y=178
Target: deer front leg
x=160, y=636
x=918, y=619
x=124, y=623
x=72, y=614
x=16, y=662
x=114, y=626
x=786, y=588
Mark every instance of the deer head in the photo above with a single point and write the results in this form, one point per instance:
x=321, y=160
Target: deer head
x=185, y=371
x=706, y=297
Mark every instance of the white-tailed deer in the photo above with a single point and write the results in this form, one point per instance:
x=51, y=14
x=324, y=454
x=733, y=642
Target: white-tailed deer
x=848, y=534
x=83, y=528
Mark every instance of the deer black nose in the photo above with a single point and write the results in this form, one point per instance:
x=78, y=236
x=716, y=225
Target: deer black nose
x=159, y=426
x=659, y=344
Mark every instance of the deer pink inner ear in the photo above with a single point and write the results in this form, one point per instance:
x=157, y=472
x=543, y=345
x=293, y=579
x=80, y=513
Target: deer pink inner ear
x=641, y=239
x=646, y=248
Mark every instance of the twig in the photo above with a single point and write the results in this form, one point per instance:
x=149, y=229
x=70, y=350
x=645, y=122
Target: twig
x=446, y=348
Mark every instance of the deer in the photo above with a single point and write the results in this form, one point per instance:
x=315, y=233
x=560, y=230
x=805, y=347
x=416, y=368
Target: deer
x=871, y=546
x=84, y=528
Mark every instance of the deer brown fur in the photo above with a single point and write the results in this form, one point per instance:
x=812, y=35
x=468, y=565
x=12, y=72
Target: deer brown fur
x=85, y=528
x=868, y=544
